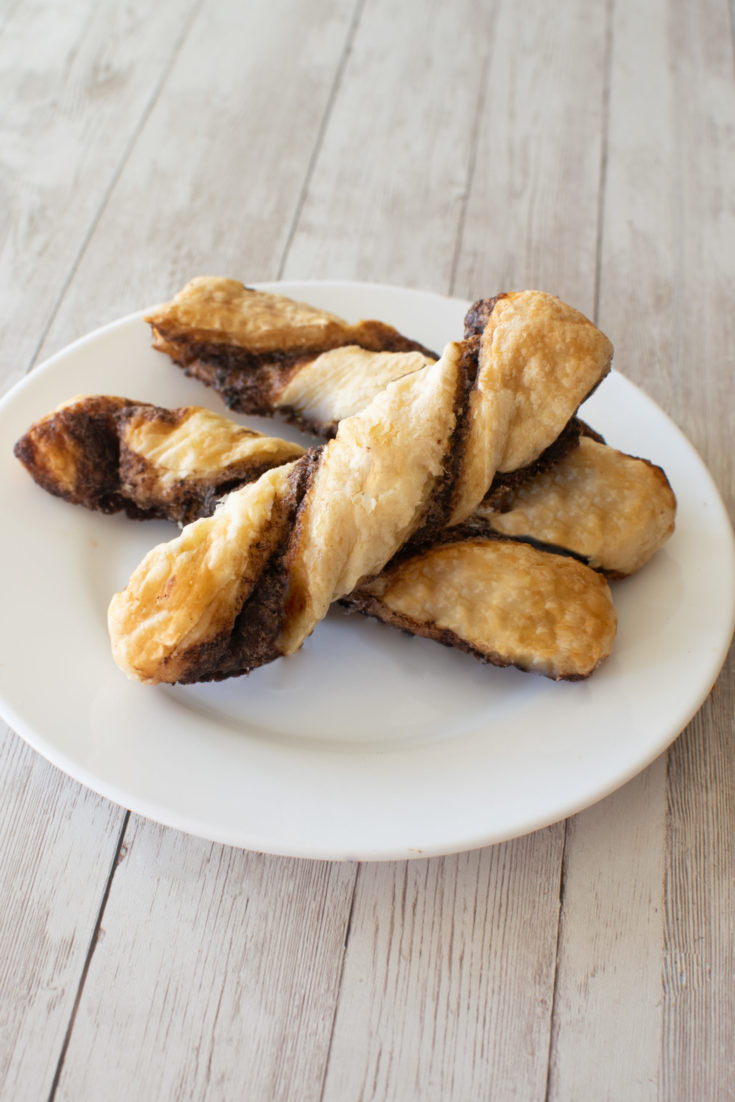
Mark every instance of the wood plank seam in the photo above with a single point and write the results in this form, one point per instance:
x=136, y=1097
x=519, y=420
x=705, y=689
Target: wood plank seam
x=604, y=139
x=127, y=150
x=599, y=244
x=335, y=1009
x=117, y=857
x=472, y=162
x=553, y=1022
x=324, y=123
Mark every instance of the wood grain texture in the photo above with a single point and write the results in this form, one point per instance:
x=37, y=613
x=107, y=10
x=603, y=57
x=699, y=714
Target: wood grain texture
x=76, y=81
x=698, y=1055
x=404, y=1027
x=662, y=302
x=385, y=196
x=244, y=122
x=531, y=215
x=216, y=975
x=676, y=330
x=667, y=278
x=609, y=989
x=75, y=84
x=58, y=845
x=214, y=180
x=585, y=149
x=254, y=155
x=448, y=977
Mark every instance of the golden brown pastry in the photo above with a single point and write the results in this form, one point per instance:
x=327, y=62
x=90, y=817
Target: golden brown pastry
x=421, y=456
x=265, y=353
x=111, y=453
x=613, y=509
x=107, y=453
x=189, y=452
x=503, y=601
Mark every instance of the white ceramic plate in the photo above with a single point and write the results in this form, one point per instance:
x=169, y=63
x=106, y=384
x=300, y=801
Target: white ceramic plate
x=367, y=744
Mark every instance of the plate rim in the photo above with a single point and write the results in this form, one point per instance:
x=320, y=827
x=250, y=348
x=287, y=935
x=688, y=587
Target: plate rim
x=121, y=796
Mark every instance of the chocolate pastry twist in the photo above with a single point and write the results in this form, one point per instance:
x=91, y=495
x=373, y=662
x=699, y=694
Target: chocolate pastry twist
x=502, y=600
x=251, y=582
x=266, y=354
x=614, y=510
x=106, y=453
x=111, y=454
x=496, y=599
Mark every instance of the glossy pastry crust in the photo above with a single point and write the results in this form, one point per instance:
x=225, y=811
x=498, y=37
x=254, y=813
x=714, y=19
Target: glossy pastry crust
x=249, y=345
x=503, y=601
x=110, y=454
x=423, y=595
x=402, y=469
x=614, y=509
x=181, y=616
x=267, y=354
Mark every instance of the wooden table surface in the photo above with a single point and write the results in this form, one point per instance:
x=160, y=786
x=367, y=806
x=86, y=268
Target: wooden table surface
x=466, y=148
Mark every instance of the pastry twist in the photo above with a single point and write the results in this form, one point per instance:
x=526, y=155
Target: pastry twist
x=106, y=453
x=502, y=600
x=251, y=582
x=289, y=359
x=111, y=454
x=266, y=354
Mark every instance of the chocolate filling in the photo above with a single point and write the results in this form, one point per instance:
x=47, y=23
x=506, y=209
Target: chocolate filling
x=89, y=440
x=478, y=315
x=254, y=638
x=369, y=605
x=250, y=382
x=440, y=506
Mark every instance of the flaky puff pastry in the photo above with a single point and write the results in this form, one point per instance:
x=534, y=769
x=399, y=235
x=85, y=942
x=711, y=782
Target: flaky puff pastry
x=182, y=605
x=502, y=601
x=266, y=353
x=614, y=509
x=110, y=453
x=402, y=468
x=107, y=453
x=474, y=586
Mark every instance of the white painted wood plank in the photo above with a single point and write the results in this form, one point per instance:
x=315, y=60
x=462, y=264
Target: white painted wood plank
x=243, y=121
x=215, y=976
x=215, y=177
x=677, y=336
x=698, y=1053
x=701, y=896
x=419, y=1017
x=644, y=990
x=531, y=215
x=609, y=986
x=607, y=1012
x=58, y=845
x=448, y=977
x=385, y=198
x=75, y=81
x=668, y=278
x=92, y=1031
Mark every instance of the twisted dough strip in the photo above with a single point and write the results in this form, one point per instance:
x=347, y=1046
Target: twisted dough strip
x=265, y=353
x=110, y=454
x=251, y=582
x=614, y=510
x=498, y=599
